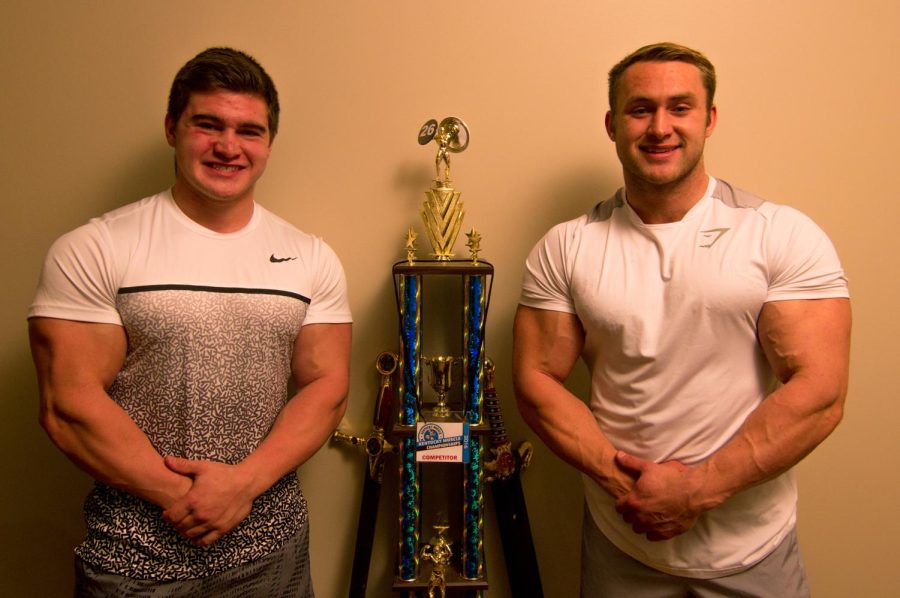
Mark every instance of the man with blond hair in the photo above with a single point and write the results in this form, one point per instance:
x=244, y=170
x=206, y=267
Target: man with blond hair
x=716, y=328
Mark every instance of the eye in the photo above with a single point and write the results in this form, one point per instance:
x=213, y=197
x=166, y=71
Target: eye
x=207, y=125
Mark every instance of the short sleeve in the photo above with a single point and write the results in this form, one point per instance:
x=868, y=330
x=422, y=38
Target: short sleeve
x=803, y=263
x=77, y=280
x=546, y=283
x=329, y=303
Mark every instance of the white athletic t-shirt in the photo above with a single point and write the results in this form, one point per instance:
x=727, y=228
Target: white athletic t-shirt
x=669, y=312
x=211, y=321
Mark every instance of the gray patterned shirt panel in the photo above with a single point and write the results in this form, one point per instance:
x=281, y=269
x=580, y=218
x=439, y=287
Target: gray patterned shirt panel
x=205, y=376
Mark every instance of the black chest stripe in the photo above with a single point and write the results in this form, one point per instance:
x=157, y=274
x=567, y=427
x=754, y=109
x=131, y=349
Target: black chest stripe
x=207, y=289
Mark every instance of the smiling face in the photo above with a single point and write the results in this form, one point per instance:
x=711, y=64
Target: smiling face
x=660, y=125
x=222, y=143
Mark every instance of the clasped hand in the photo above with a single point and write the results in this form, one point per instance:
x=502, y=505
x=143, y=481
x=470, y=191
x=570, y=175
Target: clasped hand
x=218, y=500
x=660, y=503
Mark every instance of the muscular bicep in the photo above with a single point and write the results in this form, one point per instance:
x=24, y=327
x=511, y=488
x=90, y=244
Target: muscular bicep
x=76, y=362
x=322, y=351
x=810, y=339
x=69, y=355
x=546, y=341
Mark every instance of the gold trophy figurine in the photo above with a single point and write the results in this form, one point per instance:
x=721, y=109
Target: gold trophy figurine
x=442, y=210
x=439, y=554
x=448, y=134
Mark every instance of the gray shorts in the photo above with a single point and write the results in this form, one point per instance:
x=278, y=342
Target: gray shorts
x=607, y=572
x=282, y=574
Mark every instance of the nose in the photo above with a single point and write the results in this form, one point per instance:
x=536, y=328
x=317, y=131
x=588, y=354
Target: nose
x=226, y=145
x=659, y=127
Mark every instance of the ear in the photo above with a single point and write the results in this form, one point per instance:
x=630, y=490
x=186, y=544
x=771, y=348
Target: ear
x=610, y=126
x=711, y=120
x=169, y=125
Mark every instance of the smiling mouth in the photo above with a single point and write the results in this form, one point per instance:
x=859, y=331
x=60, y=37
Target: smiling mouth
x=658, y=150
x=225, y=167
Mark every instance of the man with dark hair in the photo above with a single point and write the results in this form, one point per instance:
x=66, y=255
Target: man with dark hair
x=164, y=335
x=228, y=69
x=716, y=327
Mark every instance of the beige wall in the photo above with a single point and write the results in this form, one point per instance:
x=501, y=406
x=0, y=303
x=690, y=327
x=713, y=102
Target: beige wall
x=807, y=116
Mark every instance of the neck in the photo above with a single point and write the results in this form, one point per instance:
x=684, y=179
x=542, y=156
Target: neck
x=659, y=204
x=221, y=216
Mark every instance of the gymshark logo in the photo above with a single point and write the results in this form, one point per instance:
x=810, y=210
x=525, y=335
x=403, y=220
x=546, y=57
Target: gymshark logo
x=276, y=260
x=712, y=235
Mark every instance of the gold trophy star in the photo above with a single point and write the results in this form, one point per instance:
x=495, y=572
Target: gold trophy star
x=474, y=244
x=411, y=237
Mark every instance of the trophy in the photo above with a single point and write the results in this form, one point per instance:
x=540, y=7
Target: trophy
x=442, y=304
x=448, y=446
x=442, y=210
x=441, y=380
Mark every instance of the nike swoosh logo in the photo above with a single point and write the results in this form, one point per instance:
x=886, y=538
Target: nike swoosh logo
x=276, y=260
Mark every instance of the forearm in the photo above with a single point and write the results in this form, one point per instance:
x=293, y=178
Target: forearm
x=301, y=429
x=668, y=498
x=785, y=428
x=223, y=495
x=546, y=345
x=101, y=439
x=567, y=426
x=808, y=345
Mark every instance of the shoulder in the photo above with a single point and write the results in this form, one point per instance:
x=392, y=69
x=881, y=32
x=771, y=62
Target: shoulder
x=83, y=268
x=132, y=213
x=735, y=197
x=801, y=260
x=600, y=214
x=103, y=242
x=283, y=230
x=118, y=228
x=312, y=250
x=604, y=211
x=780, y=216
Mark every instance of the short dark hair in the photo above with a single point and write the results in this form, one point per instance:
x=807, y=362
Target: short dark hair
x=223, y=69
x=665, y=52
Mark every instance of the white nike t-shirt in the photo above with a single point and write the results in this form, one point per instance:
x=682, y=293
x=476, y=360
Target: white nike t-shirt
x=211, y=320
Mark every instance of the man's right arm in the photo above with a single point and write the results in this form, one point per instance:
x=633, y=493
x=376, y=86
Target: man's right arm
x=76, y=362
x=546, y=345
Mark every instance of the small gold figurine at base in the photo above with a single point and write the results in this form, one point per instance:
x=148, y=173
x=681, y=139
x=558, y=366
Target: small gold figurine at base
x=439, y=554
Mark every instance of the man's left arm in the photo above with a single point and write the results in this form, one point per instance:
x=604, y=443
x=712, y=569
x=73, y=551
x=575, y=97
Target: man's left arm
x=222, y=494
x=807, y=343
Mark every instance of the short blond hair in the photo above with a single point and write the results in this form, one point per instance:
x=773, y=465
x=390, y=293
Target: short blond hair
x=665, y=52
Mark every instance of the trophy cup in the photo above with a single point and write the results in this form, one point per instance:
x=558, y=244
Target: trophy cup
x=441, y=380
x=442, y=304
